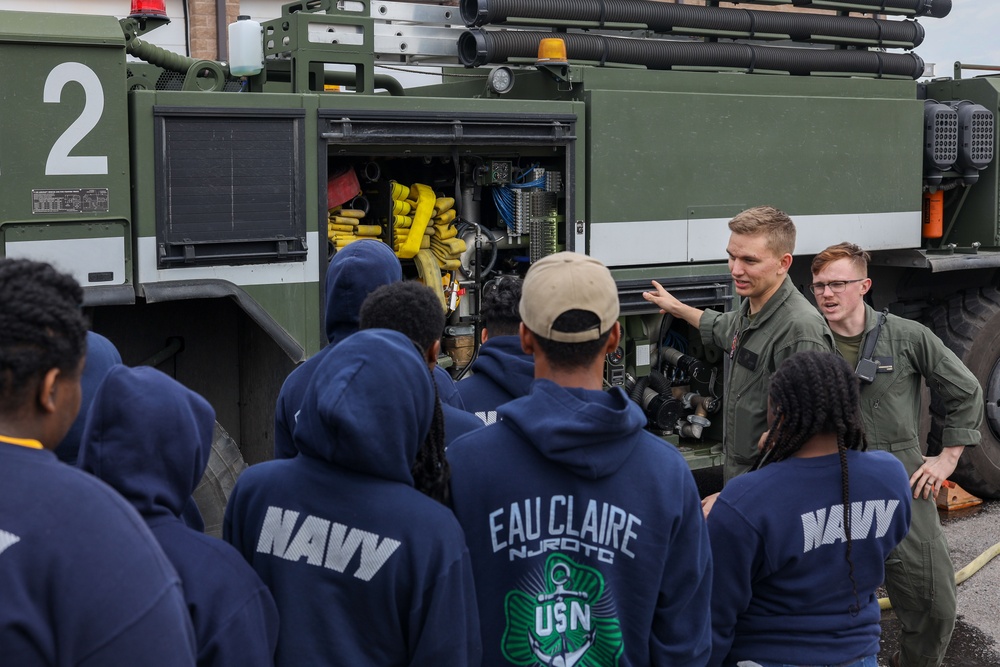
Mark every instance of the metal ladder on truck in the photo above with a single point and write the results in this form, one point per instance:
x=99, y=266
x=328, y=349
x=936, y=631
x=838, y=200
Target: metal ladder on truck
x=363, y=34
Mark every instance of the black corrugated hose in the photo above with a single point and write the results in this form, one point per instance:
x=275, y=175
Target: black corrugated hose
x=658, y=383
x=934, y=8
x=692, y=19
x=639, y=389
x=480, y=47
x=482, y=12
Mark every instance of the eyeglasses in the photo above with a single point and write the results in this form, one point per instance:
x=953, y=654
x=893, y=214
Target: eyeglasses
x=837, y=286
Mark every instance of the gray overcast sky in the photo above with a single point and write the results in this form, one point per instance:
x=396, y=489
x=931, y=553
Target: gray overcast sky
x=968, y=34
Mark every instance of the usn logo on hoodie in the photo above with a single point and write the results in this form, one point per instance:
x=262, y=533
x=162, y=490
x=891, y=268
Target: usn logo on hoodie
x=561, y=616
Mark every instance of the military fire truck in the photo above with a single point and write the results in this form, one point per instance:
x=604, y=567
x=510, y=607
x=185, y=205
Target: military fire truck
x=199, y=203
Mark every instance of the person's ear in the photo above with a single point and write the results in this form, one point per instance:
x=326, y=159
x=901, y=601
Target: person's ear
x=47, y=391
x=785, y=263
x=866, y=285
x=431, y=354
x=483, y=335
x=527, y=339
x=614, y=338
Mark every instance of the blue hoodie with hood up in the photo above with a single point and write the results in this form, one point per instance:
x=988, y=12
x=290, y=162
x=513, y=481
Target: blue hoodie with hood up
x=501, y=373
x=150, y=437
x=586, y=534
x=101, y=356
x=354, y=272
x=366, y=570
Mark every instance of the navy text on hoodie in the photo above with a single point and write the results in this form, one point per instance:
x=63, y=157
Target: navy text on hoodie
x=365, y=569
x=150, y=437
x=586, y=534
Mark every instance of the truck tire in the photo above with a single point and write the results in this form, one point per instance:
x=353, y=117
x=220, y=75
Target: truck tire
x=225, y=464
x=969, y=324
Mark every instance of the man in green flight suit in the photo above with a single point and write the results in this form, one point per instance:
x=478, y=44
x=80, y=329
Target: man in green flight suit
x=773, y=322
x=893, y=356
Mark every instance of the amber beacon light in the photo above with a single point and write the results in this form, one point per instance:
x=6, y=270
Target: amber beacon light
x=552, y=50
x=552, y=58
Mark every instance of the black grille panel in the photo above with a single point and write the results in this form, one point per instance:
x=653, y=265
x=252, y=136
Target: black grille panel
x=230, y=188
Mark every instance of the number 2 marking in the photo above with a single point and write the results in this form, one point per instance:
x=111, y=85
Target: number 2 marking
x=60, y=162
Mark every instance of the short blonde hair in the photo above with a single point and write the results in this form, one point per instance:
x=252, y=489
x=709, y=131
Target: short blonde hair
x=773, y=224
x=859, y=258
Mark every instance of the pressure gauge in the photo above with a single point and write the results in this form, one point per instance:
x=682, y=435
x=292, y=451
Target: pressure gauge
x=501, y=80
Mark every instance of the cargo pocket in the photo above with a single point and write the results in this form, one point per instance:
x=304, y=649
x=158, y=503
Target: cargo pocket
x=907, y=570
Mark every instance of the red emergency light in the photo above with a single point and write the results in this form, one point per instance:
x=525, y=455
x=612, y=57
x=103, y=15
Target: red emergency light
x=147, y=9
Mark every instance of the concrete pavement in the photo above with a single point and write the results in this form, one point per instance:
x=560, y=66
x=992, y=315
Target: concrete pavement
x=970, y=532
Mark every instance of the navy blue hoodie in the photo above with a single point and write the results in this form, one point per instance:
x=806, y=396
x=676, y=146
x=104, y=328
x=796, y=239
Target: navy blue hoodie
x=354, y=272
x=150, y=437
x=586, y=534
x=82, y=580
x=457, y=422
x=501, y=373
x=782, y=590
x=366, y=570
x=101, y=356
x=447, y=389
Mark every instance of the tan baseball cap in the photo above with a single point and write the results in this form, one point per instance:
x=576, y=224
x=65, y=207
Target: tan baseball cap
x=568, y=281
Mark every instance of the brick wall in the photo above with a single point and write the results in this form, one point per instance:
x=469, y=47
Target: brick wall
x=204, y=31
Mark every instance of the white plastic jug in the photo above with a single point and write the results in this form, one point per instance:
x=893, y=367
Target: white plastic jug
x=246, y=47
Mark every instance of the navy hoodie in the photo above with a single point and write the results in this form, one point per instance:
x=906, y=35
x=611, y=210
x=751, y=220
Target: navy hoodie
x=586, y=534
x=354, y=272
x=457, y=422
x=366, y=570
x=150, y=437
x=101, y=356
x=82, y=580
x=501, y=373
x=447, y=389
x=782, y=591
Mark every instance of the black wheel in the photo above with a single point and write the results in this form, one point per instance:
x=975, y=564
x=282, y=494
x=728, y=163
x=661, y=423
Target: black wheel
x=969, y=324
x=225, y=464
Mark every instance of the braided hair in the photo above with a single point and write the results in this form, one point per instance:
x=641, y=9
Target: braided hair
x=431, y=472
x=815, y=393
x=41, y=327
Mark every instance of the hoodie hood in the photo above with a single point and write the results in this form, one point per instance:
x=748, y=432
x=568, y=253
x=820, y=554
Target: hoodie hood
x=591, y=433
x=502, y=360
x=149, y=437
x=355, y=272
x=368, y=406
x=101, y=356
